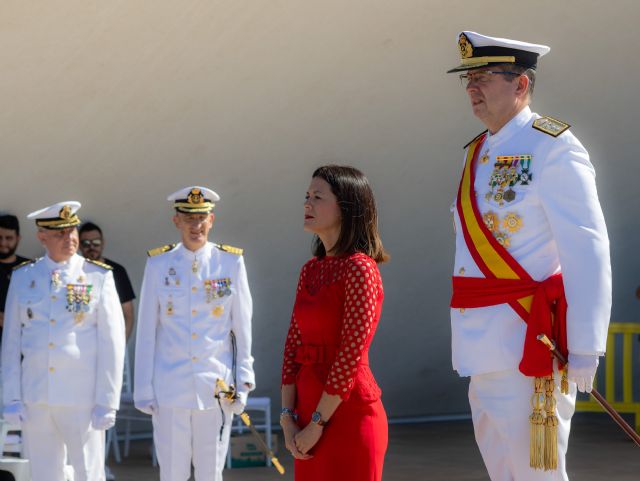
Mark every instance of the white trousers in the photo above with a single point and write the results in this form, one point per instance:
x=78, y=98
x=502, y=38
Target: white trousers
x=54, y=434
x=183, y=436
x=500, y=407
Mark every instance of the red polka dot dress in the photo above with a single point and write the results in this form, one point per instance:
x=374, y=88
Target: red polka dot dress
x=336, y=312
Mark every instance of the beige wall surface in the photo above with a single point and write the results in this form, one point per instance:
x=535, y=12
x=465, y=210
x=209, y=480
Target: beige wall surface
x=119, y=103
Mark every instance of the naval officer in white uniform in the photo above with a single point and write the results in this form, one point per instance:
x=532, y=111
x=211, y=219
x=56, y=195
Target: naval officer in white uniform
x=527, y=205
x=62, y=352
x=194, y=326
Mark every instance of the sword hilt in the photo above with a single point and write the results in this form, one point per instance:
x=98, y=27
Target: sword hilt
x=229, y=392
x=225, y=391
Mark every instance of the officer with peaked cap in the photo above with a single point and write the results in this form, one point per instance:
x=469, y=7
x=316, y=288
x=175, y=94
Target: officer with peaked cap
x=194, y=326
x=62, y=352
x=532, y=257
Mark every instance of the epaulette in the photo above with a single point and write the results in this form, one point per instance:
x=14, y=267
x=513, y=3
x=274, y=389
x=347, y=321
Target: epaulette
x=100, y=264
x=550, y=126
x=230, y=249
x=475, y=138
x=160, y=250
x=24, y=263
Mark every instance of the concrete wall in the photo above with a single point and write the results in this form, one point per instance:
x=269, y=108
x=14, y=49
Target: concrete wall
x=119, y=103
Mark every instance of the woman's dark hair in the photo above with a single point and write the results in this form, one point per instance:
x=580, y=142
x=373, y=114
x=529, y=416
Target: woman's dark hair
x=359, y=217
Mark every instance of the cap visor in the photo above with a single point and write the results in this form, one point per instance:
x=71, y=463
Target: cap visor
x=462, y=68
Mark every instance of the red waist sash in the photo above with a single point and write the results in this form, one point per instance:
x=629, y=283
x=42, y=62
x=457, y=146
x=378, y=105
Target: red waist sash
x=548, y=313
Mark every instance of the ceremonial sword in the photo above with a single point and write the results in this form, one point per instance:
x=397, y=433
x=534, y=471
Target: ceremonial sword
x=594, y=392
x=230, y=393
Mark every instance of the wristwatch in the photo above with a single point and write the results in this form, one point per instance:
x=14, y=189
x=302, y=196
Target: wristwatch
x=286, y=412
x=316, y=418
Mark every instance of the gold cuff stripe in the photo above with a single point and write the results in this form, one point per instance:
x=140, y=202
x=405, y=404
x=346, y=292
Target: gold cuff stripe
x=479, y=60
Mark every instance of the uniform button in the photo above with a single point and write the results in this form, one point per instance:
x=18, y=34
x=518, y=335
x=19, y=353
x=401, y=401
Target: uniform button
x=193, y=312
x=194, y=289
x=461, y=271
x=51, y=369
x=462, y=310
x=194, y=358
x=52, y=321
x=194, y=336
x=51, y=345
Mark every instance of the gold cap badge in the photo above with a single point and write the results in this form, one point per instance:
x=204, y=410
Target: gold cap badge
x=65, y=212
x=195, y=197
x=466, y=49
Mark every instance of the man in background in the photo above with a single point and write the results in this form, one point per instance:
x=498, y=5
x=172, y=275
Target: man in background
x=9, y=240
x=91, y=246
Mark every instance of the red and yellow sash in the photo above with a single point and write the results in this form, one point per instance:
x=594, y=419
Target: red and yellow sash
x=539, y=304
x=492, y=258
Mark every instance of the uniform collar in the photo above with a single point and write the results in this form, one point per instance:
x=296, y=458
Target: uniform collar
x=68, y=264
x=205, y=250
x=521, y=119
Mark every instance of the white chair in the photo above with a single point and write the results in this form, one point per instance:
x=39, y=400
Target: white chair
x=255, y=404
x=112, y=443
x=12, y=443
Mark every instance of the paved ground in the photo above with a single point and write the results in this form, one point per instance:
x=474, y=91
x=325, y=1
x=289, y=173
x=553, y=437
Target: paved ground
x=446, y=451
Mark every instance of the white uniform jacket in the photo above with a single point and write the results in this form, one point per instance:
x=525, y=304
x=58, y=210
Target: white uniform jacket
x=55, y=350
x=189, y=304
x=553, y=222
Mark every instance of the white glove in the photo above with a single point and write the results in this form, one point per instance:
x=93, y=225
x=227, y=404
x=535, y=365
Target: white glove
x=237, y=405
x=582, y=370
x=102, y=418
x=14, y=413
x=148, y=407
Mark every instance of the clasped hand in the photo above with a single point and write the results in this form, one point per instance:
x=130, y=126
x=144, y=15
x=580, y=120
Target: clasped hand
x=300, y=441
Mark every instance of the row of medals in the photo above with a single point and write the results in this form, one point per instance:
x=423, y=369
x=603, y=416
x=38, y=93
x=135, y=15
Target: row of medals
x=504, y=176
x=78, y=296
x=213, y=288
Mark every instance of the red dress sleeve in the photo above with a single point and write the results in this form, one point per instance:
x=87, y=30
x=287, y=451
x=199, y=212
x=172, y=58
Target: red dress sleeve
x=362, y=292
x=289, y=365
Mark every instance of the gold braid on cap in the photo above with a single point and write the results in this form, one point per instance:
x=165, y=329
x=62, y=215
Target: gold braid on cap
x=195, y=203
x=66, y=218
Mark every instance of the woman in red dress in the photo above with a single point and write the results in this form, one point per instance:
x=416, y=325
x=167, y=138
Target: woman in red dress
x=333, y=420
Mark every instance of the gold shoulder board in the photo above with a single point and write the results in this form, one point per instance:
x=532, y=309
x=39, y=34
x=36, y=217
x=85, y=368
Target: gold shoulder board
x=230, y=249
x=160, y=250
x=100, y=264
x=469, y=143
x=23, y=263
x=551, y=126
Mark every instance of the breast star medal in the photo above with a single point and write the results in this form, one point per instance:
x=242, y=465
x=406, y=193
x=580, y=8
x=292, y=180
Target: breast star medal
x=217, y=311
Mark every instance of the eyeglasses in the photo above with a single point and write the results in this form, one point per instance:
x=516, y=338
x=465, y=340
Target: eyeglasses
x=91, y=242
x=483, y=77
